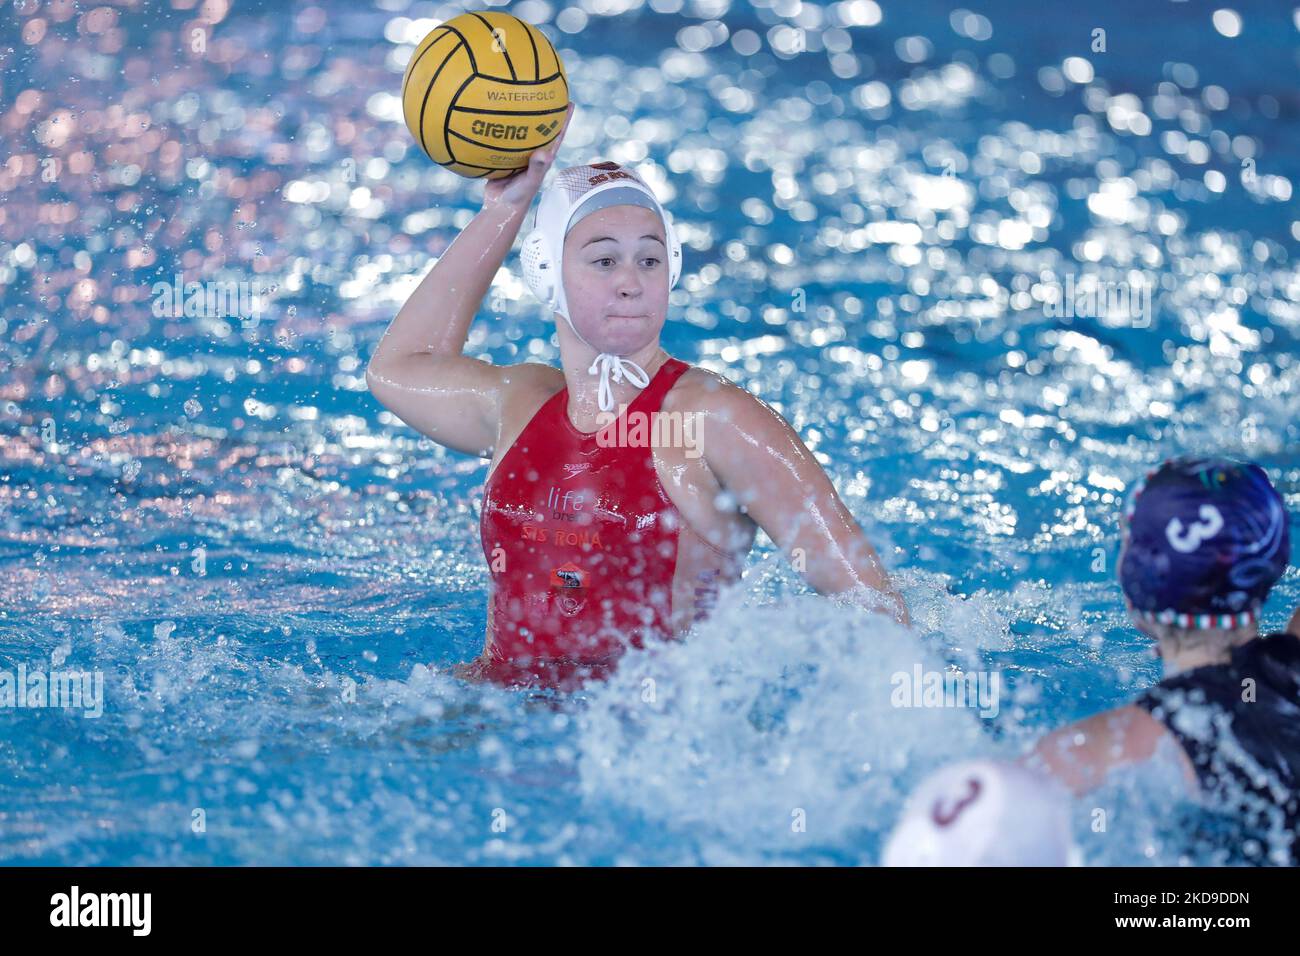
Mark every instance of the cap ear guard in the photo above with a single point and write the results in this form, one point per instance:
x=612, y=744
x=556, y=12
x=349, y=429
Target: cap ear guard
x=539, y=270
x=674, y=250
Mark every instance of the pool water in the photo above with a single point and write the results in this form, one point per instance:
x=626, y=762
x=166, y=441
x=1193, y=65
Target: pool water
x=273, y=575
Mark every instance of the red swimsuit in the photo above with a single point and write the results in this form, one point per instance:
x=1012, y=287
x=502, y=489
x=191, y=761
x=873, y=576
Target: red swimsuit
x=581, y=542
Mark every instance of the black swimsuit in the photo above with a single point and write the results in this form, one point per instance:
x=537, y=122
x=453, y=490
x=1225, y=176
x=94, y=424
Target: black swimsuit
x=1239, y=724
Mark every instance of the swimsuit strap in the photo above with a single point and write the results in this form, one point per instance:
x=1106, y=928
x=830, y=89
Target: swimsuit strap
x=651, y=398
x=648, y=400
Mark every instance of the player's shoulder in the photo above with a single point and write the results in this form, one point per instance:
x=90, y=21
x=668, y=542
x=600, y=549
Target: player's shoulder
x=528, y=377
x=711, y=394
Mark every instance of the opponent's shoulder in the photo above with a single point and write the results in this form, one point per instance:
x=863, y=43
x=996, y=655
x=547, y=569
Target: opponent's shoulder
x=1128, y=731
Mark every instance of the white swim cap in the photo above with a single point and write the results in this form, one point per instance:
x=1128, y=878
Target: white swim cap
x=574, y=194
x=983, y=813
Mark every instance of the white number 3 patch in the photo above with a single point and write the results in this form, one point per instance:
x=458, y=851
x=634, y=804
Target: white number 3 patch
x=1211, y=523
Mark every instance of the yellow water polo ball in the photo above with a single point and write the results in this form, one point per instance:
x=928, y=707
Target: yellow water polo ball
x=482, y=91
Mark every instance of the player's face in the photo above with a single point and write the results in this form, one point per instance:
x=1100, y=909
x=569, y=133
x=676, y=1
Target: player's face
x=616, y=278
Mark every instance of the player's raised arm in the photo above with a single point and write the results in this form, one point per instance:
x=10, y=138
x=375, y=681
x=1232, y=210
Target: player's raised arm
x=418, y=371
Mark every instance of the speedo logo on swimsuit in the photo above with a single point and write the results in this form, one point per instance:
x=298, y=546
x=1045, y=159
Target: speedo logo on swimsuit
x=651, y=430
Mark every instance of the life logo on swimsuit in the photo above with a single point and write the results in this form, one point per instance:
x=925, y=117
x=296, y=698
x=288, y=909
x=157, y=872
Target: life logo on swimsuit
x=1186, y=542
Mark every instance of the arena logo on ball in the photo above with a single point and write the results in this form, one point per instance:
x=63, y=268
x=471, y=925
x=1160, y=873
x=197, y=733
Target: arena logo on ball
x=504, y=131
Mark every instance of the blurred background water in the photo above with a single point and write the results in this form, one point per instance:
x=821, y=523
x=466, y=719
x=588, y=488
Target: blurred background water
x=879, y=203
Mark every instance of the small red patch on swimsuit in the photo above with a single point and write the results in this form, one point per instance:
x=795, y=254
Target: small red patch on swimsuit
x=567, y=576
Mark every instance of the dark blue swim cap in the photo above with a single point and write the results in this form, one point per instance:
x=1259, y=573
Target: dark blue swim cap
x=1205, y=539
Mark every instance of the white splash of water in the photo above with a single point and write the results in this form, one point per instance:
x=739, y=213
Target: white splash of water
x=767, y=719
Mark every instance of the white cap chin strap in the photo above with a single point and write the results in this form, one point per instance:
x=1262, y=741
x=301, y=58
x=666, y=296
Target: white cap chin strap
x=605, y=364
